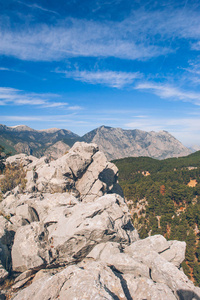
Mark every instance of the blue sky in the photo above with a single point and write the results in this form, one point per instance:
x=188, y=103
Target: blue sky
x=81, y=64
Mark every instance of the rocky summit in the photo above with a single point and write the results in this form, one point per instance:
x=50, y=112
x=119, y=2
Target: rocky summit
x=69, y=235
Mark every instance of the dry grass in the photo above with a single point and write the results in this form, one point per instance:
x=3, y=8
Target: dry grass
x=13, y=176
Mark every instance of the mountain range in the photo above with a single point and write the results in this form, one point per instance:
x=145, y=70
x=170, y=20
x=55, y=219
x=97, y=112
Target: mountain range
x=114, y=142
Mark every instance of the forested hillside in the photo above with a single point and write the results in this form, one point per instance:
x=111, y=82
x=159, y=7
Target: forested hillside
x=164, y=197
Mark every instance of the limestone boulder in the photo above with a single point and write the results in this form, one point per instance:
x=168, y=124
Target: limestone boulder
x=69, y=233
x=155, y=243
x=28, y=251
x=112, y=255
x=22, y=159
x=175, y=253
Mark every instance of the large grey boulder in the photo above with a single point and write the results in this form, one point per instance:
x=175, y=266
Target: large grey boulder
x=175, y=253
x=27, y=250
x=172, y=251
x=69, y=232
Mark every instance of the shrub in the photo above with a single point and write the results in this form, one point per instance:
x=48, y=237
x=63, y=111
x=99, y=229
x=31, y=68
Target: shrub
x=13, y=176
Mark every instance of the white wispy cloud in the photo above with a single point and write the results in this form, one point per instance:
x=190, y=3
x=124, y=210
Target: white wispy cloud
x=65, y=118
x=167, y=91
x=75, y=107
x=142, y=35
x=76, y=37
x=109, y=78
x=36, y=6
x=11, y=96
x=4, y=69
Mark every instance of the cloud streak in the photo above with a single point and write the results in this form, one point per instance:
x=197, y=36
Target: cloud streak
x=108, y=78
x=11, y=96
x=139, y=36
x=167, y=91
x=35, y=6
x=79, y=38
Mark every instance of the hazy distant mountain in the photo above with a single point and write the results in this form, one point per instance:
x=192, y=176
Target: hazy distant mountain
x=27, y=140
x=194, y=148
x=119, y=143
x=114, y=142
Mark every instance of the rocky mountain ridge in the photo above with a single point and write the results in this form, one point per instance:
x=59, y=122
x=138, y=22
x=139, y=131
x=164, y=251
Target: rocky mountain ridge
x=118, y=143
x=114, y=142
x=69, y=235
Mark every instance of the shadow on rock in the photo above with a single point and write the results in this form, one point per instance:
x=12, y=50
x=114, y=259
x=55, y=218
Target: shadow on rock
x=187, y=295
x=110, y=177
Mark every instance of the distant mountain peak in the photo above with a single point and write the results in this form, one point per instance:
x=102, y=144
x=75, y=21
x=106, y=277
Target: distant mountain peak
x=119, y=143
x=50, y=130
x=21, y=128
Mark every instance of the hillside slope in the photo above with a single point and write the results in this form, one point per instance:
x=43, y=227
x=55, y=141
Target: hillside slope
x=164, y=198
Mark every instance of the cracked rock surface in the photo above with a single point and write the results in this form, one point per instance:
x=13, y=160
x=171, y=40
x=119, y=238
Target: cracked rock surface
x=69, y=236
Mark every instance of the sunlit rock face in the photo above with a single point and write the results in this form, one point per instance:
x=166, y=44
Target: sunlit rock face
x=69, y=235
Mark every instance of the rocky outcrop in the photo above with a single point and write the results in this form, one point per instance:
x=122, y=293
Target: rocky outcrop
x=68, y=232
x=79, y=242
x=84, y=170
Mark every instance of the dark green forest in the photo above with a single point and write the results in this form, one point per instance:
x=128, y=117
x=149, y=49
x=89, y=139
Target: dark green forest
x=166, y=201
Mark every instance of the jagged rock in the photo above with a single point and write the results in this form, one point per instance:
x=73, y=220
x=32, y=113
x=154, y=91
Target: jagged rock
x=40, y=205
x=110, y=254
x=83, y=170
x=24, y=275
x=93, y=233
x=153, y=243
x=21, y=283
x=144, y=288
x=97, y=280
x=176, y=252
x=22, y=159
x=68, y=234
x=172, y=251
x=27, y=250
